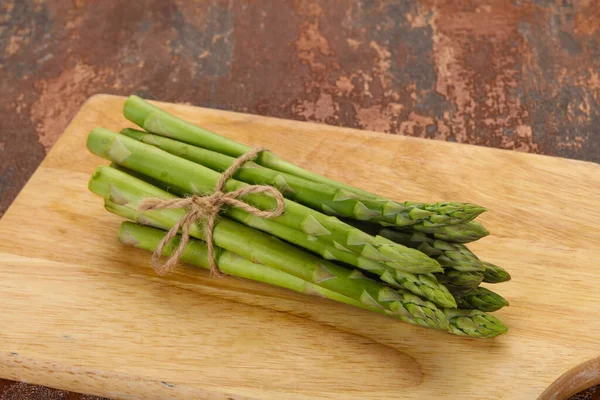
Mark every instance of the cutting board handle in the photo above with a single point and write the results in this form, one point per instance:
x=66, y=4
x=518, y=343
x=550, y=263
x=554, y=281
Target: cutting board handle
x=574, y=381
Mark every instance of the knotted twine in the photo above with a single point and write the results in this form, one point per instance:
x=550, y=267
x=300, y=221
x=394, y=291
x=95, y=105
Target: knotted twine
x=208, y=207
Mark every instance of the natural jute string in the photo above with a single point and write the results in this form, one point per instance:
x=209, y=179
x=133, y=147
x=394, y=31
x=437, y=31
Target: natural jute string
x=208, y=207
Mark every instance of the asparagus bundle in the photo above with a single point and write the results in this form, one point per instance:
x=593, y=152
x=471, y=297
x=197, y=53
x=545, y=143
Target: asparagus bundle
x=123, y=194
x=462, y=322
x=194, y=178
x=414, y=265
x=424, y=285
x=319, y=196
x=159, y=122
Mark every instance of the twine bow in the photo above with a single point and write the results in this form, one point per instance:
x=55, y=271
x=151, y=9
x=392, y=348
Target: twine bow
x=208, y=207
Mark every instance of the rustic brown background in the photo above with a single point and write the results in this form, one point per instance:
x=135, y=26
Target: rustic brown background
x=519, y=75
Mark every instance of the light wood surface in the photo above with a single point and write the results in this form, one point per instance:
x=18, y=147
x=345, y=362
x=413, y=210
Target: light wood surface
x=82, y=312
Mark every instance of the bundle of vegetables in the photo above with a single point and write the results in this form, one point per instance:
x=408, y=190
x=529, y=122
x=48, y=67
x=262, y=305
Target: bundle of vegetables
x=403, y=259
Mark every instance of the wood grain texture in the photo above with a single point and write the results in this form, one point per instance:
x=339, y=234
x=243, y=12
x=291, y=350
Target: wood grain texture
x=83, y=313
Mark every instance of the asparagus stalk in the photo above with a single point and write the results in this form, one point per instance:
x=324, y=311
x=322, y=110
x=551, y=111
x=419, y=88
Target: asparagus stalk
x=318, y=196
x=494, y=273
x=474, y=323
x=148, y=238
x=124, y=193
x=154, y=182
x=158, y=121
x=194, y=178
x=458, y=281
x=460, y=233
x=481, y=299
x=449, y=255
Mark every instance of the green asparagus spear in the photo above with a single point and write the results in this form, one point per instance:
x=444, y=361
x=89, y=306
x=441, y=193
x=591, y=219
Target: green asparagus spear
x=494, y=273
x=318, y=196
x=230, y=263
x=195, y=178
x=481, y=299
x=474, y=323
x=124, y=193
x=157, y=121
x=460, y=233
x=449, y=255
x=458, y=281
x=154, y=182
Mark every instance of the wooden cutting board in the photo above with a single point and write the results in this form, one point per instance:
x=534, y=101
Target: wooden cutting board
x=80, y=311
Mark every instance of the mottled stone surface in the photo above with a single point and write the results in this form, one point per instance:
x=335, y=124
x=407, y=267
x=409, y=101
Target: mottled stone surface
x=521, y=75
x=517, y=75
